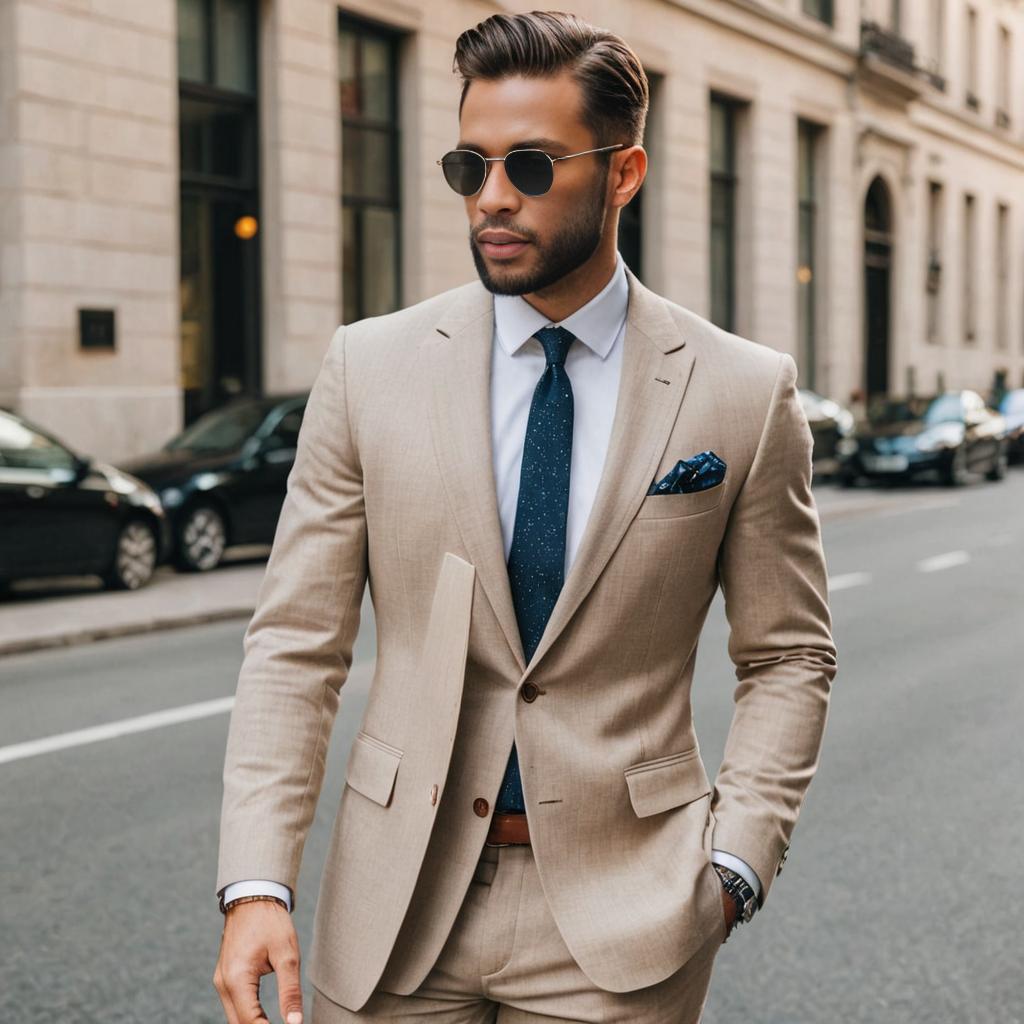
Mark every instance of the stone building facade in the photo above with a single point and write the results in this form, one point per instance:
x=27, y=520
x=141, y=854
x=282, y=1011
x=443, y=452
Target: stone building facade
x=840, y=179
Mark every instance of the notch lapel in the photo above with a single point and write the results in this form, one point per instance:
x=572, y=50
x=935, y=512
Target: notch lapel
x=458, y=356
x=656, y=366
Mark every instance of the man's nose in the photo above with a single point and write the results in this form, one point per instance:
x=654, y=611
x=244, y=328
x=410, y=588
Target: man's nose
x=498, y=193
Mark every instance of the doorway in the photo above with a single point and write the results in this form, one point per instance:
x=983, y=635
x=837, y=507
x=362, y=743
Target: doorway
x=219, y=209
x=878, y=245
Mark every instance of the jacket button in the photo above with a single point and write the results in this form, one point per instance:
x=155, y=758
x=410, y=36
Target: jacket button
x=529, y=692
x=481, y=807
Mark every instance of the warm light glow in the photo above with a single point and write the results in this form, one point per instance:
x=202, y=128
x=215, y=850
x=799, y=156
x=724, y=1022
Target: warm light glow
x=803, y=274
x=246, y=227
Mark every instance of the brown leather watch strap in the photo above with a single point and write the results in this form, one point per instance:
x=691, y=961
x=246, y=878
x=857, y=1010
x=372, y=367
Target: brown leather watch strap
x=252, y=899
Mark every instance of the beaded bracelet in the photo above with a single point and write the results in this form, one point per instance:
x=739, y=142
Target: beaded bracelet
x=225, y=907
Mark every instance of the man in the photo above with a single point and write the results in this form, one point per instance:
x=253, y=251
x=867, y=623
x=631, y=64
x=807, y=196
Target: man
x=545, y=477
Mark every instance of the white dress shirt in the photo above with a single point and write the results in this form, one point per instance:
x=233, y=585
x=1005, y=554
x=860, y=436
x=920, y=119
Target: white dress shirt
x=594, y=367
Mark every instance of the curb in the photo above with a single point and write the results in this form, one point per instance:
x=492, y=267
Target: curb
x=73, y=638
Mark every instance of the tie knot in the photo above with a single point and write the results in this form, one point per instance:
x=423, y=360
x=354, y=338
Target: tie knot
x=556, y=342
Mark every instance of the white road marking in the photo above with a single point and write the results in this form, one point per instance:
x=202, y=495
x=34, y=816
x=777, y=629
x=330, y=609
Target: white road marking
x=126, y=726
x=945, y=561
x=847, y=580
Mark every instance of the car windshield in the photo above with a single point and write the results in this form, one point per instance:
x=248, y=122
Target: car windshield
x=21, y=447
x=896, y=410
x=1013, y=403
x=221, y=430
x=944, y=409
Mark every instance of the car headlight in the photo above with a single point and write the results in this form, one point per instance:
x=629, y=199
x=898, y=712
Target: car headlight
x=943, y=435
x=846, y=446
x=172, y=497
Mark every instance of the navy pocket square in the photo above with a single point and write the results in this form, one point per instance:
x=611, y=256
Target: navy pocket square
x=697, y=473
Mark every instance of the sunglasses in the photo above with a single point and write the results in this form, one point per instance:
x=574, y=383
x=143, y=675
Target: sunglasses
x=531, y=171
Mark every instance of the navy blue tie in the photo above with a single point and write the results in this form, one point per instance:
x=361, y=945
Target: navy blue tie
x=536, y=562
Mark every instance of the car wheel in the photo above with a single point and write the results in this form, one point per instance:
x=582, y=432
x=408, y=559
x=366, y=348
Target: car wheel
x=201, y=539
x=847, y=479
x=134, y=557
x=998, y=470
x=956, y=471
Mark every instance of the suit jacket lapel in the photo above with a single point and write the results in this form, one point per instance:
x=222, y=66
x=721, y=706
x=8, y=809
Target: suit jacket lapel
x=458, y=355
x=656, y=365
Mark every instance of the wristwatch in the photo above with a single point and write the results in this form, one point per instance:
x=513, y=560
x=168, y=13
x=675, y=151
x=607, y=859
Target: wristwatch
x=741, y=892
x=225, y=907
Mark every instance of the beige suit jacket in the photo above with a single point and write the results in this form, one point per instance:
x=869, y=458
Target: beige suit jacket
x=393, y=483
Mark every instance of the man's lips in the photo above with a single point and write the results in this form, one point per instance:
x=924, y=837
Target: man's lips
x=501, y=244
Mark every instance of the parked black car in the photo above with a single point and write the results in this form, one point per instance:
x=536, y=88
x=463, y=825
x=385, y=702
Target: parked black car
x=1012, y=409
x=223, y=480
x=829, y=423
x=952, y=434
x=62, y=514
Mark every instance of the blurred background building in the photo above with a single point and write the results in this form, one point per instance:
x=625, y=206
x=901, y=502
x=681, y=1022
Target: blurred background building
x=194, y=193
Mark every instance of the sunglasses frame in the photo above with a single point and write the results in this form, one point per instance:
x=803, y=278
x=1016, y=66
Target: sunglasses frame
x=492, y=159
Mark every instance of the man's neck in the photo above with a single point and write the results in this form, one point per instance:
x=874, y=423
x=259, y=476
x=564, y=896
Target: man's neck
x=574, y=290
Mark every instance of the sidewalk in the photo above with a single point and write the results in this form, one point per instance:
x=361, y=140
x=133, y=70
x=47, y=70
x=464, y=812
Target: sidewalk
x=58, y=612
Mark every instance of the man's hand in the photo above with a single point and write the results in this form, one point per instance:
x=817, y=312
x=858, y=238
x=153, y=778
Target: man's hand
x=259, y=938
x=729, y=909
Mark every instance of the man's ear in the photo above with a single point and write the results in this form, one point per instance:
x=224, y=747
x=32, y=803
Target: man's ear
x=629, y=168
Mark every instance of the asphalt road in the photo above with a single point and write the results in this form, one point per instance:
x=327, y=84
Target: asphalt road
x=897, y=903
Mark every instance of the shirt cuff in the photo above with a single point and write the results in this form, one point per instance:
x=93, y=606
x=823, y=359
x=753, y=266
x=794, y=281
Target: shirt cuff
x=258, y=887
x=741, y=867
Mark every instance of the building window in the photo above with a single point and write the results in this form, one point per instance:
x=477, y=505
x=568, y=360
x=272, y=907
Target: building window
x=1002, y=274
x=723, y=117
x=967, y=266
x=935, y=59
x=808, y=145
x=1003, y=78
x=971, y=58
x=218, y=122
x=820, y=9
x=933, y=272
x=216, y=44
x=370, y=206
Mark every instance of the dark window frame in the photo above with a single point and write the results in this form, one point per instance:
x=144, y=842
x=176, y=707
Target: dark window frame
x=211, y=17
x=809, y=136
x=726, y=179
x=246, y=188
x=363, y=28
x=820, y=10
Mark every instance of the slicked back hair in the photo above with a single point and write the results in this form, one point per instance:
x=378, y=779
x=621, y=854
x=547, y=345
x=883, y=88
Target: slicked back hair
x=545, y=43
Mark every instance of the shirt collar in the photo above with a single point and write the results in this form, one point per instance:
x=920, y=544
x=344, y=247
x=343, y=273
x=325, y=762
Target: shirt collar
x=596, y=324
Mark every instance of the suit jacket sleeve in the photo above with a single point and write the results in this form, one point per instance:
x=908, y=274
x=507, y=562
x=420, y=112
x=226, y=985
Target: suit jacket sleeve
x=298, y=645
x=773, y=576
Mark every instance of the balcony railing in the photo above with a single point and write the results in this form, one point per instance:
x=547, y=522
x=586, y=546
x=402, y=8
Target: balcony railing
x=887, y=65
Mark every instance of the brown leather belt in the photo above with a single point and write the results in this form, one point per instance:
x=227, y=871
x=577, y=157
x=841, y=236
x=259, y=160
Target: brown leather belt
x=508, y=830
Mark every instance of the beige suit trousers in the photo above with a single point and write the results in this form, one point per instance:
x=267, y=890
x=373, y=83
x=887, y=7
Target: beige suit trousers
x=505, y=961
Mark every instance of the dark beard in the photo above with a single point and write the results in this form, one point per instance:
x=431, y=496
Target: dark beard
x=569, y=249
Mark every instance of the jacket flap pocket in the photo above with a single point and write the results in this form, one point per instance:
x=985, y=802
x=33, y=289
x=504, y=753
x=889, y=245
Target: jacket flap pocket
x=665, y=782
x=372, y=767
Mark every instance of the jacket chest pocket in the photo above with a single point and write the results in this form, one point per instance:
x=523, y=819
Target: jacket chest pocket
x=666, y=782
x=675, y=506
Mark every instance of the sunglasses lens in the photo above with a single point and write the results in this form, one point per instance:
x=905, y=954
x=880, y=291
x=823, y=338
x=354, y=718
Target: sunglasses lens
x=530, y=171
x=464, y=171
